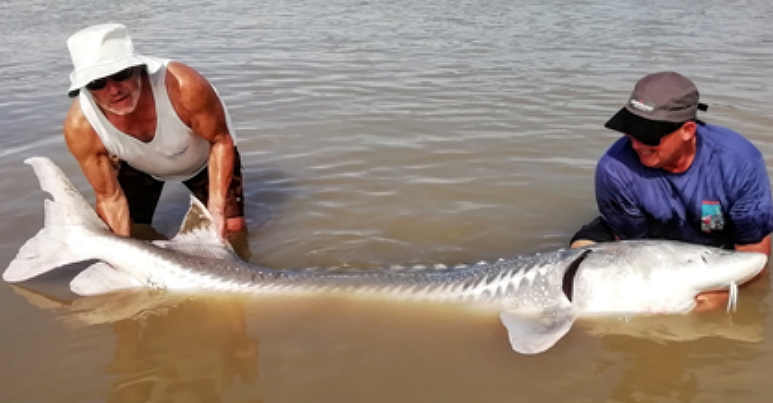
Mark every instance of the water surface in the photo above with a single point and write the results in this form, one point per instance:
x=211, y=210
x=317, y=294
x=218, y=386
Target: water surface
x=375, y=133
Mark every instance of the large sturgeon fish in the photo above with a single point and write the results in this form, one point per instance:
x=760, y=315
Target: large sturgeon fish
x=537, y=296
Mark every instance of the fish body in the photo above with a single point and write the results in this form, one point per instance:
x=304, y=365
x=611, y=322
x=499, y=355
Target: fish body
x=538, y=296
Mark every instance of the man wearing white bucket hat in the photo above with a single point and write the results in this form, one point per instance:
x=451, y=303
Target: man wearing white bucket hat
x=161, y=119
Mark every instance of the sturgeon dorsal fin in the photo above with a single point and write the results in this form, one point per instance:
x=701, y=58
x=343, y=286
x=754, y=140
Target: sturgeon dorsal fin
x=197, y=235
x=534, y=331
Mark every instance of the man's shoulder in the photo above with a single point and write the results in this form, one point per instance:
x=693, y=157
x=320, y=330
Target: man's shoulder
x=76, y=120
x=184, y=77
x=187, y=88
x=619, y=156
x=80, y=136
x=727, y=144
x=176, y=68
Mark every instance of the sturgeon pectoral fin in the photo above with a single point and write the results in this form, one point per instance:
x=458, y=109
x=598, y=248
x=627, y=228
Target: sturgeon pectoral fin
x=533, y=331
x=101, y=278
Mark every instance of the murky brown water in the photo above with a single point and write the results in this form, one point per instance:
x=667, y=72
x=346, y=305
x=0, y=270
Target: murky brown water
x=375, y=133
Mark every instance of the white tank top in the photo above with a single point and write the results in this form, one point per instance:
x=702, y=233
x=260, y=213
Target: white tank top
x=174, y=153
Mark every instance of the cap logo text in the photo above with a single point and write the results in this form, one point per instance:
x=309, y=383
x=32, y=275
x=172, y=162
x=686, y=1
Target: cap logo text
x=641, y=106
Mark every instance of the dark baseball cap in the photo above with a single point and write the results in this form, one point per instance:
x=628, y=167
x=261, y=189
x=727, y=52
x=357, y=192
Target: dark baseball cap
x=659, y=104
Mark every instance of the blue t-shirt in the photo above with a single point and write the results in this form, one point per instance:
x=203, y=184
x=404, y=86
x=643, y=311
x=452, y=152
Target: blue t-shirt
x=723, y=199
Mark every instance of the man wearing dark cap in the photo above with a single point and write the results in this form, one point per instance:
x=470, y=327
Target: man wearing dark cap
x=673, y=176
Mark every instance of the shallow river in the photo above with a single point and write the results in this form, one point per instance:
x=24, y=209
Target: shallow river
x=376, y=133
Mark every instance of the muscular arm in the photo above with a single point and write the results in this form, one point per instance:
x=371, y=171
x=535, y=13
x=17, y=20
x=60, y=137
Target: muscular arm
x=94, y=160
x=199, y=106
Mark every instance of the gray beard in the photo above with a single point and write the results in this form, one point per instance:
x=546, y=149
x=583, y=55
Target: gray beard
x=127, y=111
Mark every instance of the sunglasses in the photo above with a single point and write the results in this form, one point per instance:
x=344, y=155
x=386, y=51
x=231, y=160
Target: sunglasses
x=100, y=83
x=655, y=131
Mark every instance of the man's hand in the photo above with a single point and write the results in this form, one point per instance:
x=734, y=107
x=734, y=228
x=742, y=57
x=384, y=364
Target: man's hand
x=711, y=300
x=218, y=219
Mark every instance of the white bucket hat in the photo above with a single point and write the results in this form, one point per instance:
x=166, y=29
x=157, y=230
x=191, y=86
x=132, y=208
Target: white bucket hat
x=100, y=51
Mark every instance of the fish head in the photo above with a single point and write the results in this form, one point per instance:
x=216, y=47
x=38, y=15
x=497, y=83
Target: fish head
x=649, y=276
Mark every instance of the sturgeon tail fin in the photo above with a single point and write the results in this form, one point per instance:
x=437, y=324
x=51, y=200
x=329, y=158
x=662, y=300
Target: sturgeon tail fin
x=71, y=207
x=65, y=213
